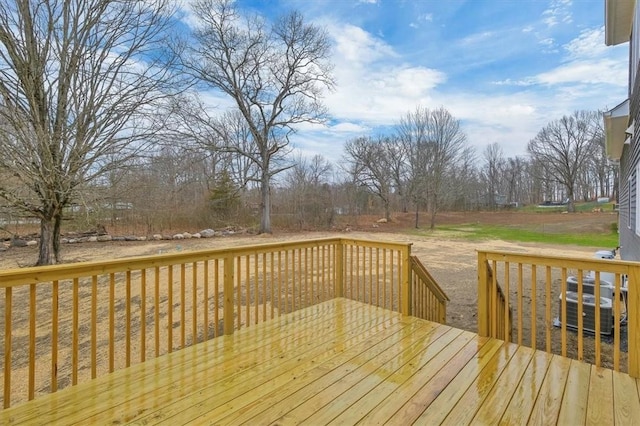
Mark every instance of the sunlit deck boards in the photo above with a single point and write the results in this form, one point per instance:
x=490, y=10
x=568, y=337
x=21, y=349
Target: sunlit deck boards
x=343, y=362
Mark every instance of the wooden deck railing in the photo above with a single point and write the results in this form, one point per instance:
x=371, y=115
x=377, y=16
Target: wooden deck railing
x=499, y=314
x=429, y=301
x=545, y=319
x=69, y=323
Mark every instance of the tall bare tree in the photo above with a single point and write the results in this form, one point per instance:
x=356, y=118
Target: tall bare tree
x=515, y=175
x=275, y=74
x=412, y=133
x=191, y=124
x=493, y=172
x=308, y=193
x=564, y=147
x=436, y=145
x=368, y=162
x=603, y=170
x=78, y=79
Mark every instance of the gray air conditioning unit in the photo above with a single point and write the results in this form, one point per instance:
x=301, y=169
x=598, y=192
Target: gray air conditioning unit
x=606, y=288
x=588, y=312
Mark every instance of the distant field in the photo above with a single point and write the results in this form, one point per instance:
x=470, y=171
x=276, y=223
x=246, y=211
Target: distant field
x=521, y=234
x=584, y=228
x=580, y=207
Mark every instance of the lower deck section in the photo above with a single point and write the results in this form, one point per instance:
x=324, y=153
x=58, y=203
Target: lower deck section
x=344, y=362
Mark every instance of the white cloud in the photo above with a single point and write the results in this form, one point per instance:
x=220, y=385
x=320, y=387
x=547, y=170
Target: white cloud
x=349, y=128
x=547, y=42
x=421, y=19
x=357, y=46
x=587, y=61
x=589, y=44
x=478, y=38
x=374, y=87
x=343, y=127
x=558, y=12
x=605, y=71
x=511, y=82
x=381, y=95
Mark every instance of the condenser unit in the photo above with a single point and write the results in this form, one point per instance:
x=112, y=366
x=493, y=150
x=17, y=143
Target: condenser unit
x=606, y=288
x=588, y=312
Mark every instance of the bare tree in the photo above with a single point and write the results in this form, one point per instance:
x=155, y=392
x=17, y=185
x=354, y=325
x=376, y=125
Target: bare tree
x=436, y=145
x=412, y=132
x=493, y=172
x=368, y=162
x=275, y=74
x=308, y=193
x=467, y=186
x=397, y=156
x=218, y=138
x=515, y=175
x=564, y=147
x=603, y=170
x=78, y=80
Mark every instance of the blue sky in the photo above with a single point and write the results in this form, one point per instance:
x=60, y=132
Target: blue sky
x=505, y=68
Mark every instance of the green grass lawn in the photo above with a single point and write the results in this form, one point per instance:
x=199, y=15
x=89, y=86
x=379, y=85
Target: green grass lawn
x=580, y=207
x=510, y=233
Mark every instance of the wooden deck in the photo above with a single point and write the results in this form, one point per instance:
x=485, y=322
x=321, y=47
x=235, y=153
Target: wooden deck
x=344, y=362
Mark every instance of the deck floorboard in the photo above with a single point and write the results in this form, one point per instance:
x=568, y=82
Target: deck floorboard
x=344, y=362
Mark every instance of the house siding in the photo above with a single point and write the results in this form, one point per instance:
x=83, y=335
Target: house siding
x=628, y=191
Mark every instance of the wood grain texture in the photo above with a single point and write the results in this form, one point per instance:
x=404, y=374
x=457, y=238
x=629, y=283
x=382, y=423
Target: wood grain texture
x=345, y=362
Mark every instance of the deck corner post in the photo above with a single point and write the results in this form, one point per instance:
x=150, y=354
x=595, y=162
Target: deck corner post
x=483, y=295
x=405, y=309
x=633, y=321
x=228, y=294
x=339, y=269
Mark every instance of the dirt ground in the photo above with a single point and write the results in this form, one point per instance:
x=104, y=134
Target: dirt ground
x=452, y=261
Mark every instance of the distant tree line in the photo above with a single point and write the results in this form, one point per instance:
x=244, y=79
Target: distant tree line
x=424, y=165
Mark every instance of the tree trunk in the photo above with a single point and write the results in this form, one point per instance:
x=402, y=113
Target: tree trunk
x=57, y=222
x=265, y=204
x=387, y=210
x=571, y=207
x=49, y=246
x=434, y=209
x=417, y=210
x=405, y=202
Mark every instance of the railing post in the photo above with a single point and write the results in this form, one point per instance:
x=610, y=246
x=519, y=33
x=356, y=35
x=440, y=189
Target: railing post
x=633, y=320
x=339, y=269
x=228, y=294
x=405, y=309
x=483, y=295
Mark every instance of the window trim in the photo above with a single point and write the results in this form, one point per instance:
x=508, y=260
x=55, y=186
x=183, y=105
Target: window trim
x=637, y=200
x=628, y=206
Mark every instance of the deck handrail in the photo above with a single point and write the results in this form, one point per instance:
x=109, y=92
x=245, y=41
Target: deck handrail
x=430, y=301
x=535, y=297
x=499, y=314
x=80, y=316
